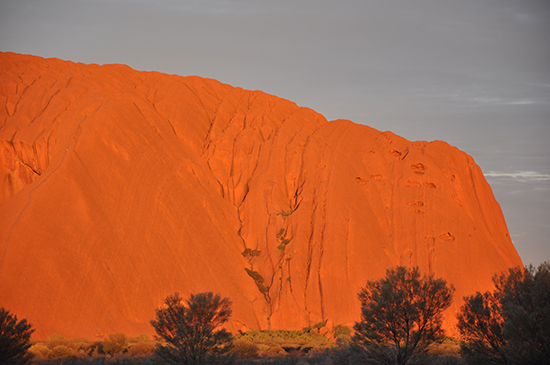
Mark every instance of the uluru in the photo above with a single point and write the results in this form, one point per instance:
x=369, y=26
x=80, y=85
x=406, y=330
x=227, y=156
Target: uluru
x=120, y=187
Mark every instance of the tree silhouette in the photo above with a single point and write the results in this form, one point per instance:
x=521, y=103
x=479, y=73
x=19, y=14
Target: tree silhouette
x=511, y=325
x=14, y=338
x=190, y=330
x=401, y=315
x=480, y=323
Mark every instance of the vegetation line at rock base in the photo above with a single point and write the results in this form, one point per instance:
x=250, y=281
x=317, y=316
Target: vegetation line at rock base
x=401, y=317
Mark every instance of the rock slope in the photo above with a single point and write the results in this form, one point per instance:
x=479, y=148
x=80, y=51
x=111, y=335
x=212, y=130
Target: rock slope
x=119, y=187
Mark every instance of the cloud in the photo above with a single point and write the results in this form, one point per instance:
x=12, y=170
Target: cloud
x=522, y=176
x=479, y=101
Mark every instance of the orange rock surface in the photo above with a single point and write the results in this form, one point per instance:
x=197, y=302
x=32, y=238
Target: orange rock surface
x=120, y=187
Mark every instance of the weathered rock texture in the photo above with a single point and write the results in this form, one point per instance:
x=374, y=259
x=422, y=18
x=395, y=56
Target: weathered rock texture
x=120, y=187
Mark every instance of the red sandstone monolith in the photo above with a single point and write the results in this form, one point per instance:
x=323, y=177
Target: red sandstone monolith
x=120, y=187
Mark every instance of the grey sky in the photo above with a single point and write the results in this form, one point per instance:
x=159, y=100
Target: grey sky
x=474, y=73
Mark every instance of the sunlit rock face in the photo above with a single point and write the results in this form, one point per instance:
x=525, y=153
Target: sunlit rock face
x=120, y=187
